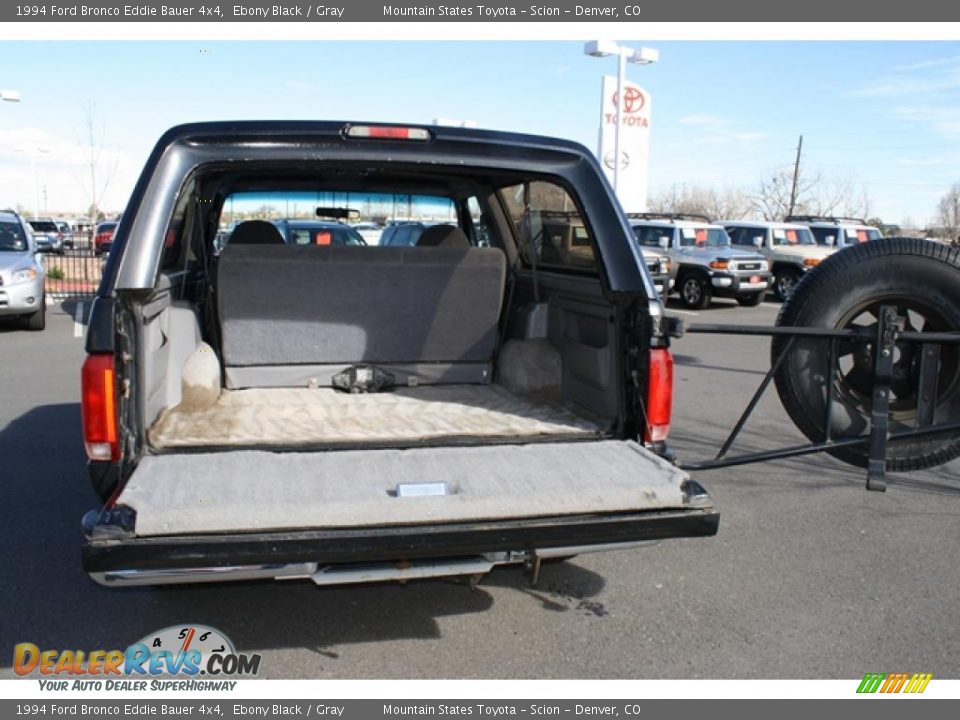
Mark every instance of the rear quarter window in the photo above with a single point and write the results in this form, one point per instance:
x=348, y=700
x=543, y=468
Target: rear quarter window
x=549, y=227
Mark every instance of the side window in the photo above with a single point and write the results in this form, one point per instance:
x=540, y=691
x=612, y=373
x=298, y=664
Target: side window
x=825, y=236
x=174, y=241
x=688, y=237
x=299, y=236
x=653, y=236
x=479, y=223
x=549, y=228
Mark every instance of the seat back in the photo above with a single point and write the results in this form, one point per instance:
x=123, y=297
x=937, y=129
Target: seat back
x=256, y=232
x=299, y=314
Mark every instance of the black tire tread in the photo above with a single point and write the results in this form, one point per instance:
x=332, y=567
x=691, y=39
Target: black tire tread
x=38, y=320
x=814, y=282
x=706, y=296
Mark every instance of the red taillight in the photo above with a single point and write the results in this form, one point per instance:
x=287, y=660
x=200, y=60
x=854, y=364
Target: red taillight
x=659, y=395
x=99, y=407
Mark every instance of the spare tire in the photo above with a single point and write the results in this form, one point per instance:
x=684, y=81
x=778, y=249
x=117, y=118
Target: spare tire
x=922, y=280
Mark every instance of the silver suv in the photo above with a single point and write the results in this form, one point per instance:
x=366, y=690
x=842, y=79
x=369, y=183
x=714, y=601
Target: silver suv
x=21, y=273
x=790, y=249
x=702, y=261
x=837, y=232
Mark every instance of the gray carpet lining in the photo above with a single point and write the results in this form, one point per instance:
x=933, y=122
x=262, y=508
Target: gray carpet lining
x=293, y=417
x=252, y=490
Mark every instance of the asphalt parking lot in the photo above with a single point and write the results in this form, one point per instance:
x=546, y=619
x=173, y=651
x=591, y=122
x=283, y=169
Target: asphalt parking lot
x=810, y=576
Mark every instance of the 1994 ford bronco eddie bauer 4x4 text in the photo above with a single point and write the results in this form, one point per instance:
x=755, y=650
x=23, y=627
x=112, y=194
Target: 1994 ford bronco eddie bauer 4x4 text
x=491, y=395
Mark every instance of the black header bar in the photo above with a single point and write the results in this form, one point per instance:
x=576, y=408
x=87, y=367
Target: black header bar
x=585, y=11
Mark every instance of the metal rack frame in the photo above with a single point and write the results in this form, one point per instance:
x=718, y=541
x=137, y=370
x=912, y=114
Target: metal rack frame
x=884, y=338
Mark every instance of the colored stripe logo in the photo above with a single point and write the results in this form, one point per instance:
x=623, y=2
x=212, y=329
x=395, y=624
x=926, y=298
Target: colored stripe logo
x=894, y=683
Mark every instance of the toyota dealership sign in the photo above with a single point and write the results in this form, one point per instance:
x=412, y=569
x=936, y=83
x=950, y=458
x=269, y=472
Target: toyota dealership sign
x=634, y=141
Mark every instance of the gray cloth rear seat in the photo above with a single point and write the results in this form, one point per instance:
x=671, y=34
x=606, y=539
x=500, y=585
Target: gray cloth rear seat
x=333, y=306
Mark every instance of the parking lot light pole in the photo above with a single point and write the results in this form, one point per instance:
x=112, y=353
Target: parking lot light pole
x=639, y=56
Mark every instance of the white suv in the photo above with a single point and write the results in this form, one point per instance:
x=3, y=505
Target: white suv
x=837, y=232
x=790, y=249
x=702, y=261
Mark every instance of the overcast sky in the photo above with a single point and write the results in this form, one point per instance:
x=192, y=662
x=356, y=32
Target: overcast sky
x=884, y=115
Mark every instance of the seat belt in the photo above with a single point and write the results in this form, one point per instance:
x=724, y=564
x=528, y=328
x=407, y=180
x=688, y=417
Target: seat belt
x=207, y=303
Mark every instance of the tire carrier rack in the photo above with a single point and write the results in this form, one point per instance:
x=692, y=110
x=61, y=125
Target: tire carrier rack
x=885, y=336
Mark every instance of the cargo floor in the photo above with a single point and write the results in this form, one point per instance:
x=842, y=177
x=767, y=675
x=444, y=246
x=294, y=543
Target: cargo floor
x=323, y=416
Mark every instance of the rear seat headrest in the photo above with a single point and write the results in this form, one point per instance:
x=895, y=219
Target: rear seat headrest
x=443, y=236
x=256, y=232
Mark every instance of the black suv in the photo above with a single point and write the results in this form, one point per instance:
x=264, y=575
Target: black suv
x=488, y=396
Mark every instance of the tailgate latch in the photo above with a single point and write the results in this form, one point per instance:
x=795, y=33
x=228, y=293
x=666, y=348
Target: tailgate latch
x=362, y=379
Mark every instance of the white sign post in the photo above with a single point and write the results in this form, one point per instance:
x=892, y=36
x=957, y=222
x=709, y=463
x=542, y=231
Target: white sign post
x=632, y=174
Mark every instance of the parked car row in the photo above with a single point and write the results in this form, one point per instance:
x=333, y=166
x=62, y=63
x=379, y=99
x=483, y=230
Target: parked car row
x=56, y=236
x=740, y=259
x=396, y=233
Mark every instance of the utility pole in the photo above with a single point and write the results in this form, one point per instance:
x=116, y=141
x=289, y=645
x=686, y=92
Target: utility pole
x=796, y=178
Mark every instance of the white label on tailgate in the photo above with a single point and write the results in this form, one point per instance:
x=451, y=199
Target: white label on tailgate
x=425, y=489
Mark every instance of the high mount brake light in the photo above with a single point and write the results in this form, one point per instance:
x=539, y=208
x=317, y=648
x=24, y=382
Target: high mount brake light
x=386, y=132
x=99, y=407
x=659, y=395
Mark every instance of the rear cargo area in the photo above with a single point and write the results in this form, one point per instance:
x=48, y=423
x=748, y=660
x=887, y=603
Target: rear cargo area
x=429, y=322
x=326, y=416
x=468, y=411
x=246, y=491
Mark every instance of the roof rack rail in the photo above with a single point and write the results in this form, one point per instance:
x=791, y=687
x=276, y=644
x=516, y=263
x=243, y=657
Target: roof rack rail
x=566, y=214
x=668, y=216
x=824, y=218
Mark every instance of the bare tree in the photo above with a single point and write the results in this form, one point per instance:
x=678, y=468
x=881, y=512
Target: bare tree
x=948, y=215
x=772, y=201
x=728, y=203
x=93, y=142
x=839, y=196
x=815, y=195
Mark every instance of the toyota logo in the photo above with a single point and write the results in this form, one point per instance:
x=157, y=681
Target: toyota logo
x=633, y=100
